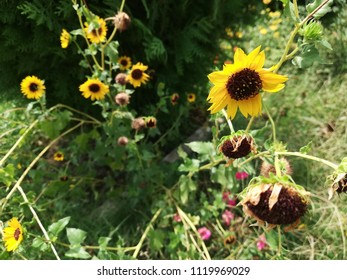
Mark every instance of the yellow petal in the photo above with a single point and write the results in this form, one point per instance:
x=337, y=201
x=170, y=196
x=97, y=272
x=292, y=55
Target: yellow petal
x=252, y=55
x=232, y=109
x=272, y=87
x=239, y=56
x=244, y=107
x=272, y=78
x=219, y=105
x=258, y=61
x=256, y=105
x=216, y=92
x=218, y=77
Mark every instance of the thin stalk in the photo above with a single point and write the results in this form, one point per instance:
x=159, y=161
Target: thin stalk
x=36, y=217
x=144, y=235
x=272, y=125
x=228, y=121
x=298, y=154
x=249, y=124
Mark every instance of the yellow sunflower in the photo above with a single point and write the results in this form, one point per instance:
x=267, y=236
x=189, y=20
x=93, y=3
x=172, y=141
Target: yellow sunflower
x=191, y=97
x=32, y=87
x=124, y=62
x=239, y=84
x=137, y=75
x=13, y=235
x=58, y=156
x=64, y=39
x=97, y=32
x=94, y=88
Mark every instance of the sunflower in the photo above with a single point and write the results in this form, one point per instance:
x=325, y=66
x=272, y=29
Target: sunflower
x=58, y=156
x=239, y=84
x=124, y=62
x=13, y=235
x=137, y=75
x=32, y=87
x=94, y=89
x=97, y=31
x=191, y=97
x=64, y=39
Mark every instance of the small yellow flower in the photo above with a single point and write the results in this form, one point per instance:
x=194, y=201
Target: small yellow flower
x=64, y=39
x=239, y=34
x=276, y=14
x=263, y=31
x=13, y=235
x=267, y=2
x=239, y=84
x=94, y=89
x=32, y=87
x=58, y=156
x=137, y=75
x=273, y=27
x=96, y=34
x=191, y=97
x=174, y=98
x=124, y=62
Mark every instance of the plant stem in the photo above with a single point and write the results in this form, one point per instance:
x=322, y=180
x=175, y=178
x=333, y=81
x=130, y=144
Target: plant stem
x=249, y=124
x=279, y=250
x=272, y=125
x=228, y=121
x=144, y=235
x=298, y=154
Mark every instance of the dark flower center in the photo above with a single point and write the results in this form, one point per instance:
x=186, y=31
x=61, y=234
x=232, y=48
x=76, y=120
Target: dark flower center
x=244, y=84
x=289, y=207
x=136, y=74
x=16, y=234
x=33, y=87
x=97, y=32
x=124, y=62
x=342, y=185
x=94, y=88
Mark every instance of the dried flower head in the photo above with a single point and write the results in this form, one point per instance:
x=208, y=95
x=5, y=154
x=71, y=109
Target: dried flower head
x=121, y=78
x=123, y=141
x=122, y=21
x=267, y=168
x=276, y=201
x=237, y=145
x=338, y=180
x=122, y=98
x=138, y=123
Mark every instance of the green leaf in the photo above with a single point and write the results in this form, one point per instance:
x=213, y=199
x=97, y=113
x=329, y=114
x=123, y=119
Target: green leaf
x=289, y=10
x=186, y=186
x=284, y=1
x=309, y=54
x=202, y=148
x=325, y=44
x=58, y=226
x=156, y=239
x=103, y=242
x=322, y=11
x=75, y=236
x=55, y=123
x=181, y=153
x=112, y=50
x=6, y=175
x=307, y=148
x=40, y=244
x=189, y=165
x=78, y=253
x=77, y=32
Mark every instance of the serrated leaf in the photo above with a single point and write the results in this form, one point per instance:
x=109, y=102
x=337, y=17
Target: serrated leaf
x=78, y=253
x=204, y=148
x=181, y=153
x=308, y=56
x=103, y=242
x=58, y=226
x=186, y=186
x=156, y=239
x=75, y=236
x=325, y=44
x=289, y=10
x=112, y=50
x=77, y=32
x=40, y=244
x=6, y=175
x=307, y=148
x=189, y=165
x=322, y=11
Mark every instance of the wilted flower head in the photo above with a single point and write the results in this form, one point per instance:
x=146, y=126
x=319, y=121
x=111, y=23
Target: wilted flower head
x=138, y=123
x=267, y=168
x=123, y=141
x=338, y=180
x=205, y=233
x=237, y=145
x=122, y=98
x=275, y=201
x=122, y=21
x=174, y=98
x=121, y=78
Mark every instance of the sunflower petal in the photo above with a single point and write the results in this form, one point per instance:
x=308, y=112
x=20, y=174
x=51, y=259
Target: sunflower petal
x=251, y=56
x=218, y=77
x=258, y=61
x=272, y=78
x=232, y=109
x=216, y=92
x=272, y=87
x=244, y=107
x=239, y=56
x=219, y=105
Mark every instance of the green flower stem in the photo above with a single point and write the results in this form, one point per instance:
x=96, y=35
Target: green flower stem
x=272, y=125
x=187, y=221
x=84, y=55
x=298, y=154
x=228, y=121
x=210, y=165
x=253, y=157
x=36, y=217
x=31, y=165
x=249, y=124
x=294, y=32
x=279, y=249
x=144, y=235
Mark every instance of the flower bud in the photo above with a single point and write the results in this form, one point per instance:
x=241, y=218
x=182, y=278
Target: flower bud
x=151, y=122
x=312, y=31
x=174, y=98
x=122, y=99
x=122, y=21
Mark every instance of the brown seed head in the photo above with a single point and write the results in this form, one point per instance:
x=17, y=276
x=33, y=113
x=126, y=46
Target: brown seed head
x=121, y=79
x=267, y=168
x=123, y=141
x=151, y=122
x=122, y=21
x=138, y=124
x=122, y=99
x=237, y=147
